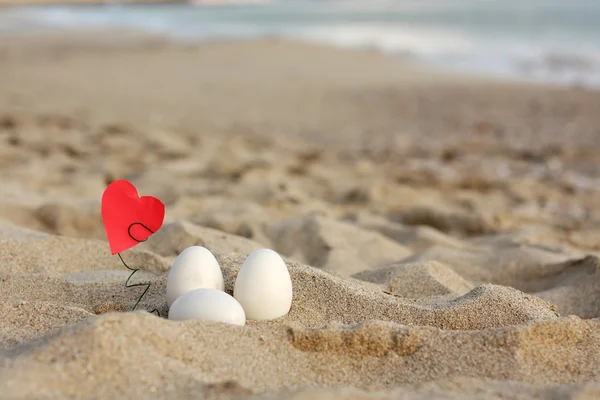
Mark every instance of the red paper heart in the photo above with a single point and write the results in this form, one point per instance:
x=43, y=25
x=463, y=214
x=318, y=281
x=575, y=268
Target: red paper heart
x=128, y=218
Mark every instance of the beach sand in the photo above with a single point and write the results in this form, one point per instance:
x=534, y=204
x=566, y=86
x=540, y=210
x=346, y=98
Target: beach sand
x=441, y=231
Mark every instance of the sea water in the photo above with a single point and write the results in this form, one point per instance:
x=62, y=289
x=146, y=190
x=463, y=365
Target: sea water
x=552, y=41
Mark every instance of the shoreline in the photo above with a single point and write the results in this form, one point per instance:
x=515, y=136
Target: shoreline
x=106, y=38
x=543, y=71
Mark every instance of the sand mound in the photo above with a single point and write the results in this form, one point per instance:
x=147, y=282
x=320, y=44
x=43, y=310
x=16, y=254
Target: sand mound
x=151, y=355
x=333, y=245
x=418, y=280
x=175, y=237
x=70, y=221
x=415, y=237
x=460, y=222
x=453, y=389
x=512, y=264
x=321, y=297
x=57, y=255
x=573, y=286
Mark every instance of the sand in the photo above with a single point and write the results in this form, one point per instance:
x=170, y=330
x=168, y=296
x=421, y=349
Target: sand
x=441, y=231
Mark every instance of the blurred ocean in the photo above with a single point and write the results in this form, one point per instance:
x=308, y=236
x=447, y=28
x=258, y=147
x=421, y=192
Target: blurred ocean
x=553, y=41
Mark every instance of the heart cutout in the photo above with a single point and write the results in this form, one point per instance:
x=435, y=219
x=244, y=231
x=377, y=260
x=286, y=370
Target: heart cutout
x=128, y=218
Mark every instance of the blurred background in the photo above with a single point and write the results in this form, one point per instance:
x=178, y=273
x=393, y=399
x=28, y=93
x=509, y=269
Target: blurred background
x=550, y=41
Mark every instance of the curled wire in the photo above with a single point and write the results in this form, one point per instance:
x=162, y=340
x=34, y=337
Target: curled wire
x=134, y=270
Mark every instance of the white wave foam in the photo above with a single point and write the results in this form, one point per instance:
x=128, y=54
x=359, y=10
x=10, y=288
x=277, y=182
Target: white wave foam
x=389, y=39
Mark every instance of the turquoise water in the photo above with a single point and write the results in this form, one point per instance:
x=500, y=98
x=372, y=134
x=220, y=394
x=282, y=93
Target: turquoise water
x=541, y=40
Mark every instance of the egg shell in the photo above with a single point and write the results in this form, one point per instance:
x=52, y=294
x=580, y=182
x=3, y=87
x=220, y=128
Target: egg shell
x=263, y=286
x=207, y=305
x=196, y=267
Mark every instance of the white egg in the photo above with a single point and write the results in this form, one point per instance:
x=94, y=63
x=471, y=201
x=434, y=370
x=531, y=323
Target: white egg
x=263, y=286
x=207, y=305
x=196, y=267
